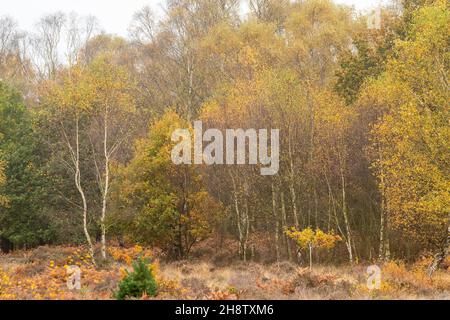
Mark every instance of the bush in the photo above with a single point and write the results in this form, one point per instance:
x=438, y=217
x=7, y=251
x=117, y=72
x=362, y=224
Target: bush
x=137, y=283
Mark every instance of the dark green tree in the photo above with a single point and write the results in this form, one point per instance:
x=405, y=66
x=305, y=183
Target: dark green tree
x=137, y=283
x=24, y=220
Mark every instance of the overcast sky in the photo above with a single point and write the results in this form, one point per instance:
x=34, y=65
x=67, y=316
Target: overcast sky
x=114, y=15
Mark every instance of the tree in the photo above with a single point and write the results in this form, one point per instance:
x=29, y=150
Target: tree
x=310, y=239
x=410, y=140
x=54, y=32
x=176, y=55
x=79, y=32
x=138, y=282
x=280, y=77
x=25, y=221
x=143, y=26
x=46, y=41
x=367, y=57
x=65, y=108
x=172, y=210
x=333, y=156
x=274, y=11
x=112, y=107
x=96, y=103
x=15, y=66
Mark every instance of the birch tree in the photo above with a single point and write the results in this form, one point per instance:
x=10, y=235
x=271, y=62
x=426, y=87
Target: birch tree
x=112, y=111
x=45, y=41
x=66, y=105
x=410, y=140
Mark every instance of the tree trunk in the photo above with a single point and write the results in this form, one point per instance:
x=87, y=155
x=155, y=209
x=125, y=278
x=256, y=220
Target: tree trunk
x=284, y=226
x=292, y=187
x=246, y=225
x=384, y=240
x=76, y=162
x=104, y=208
x=275, y=217
x=381, y=255
x=85, y=227
x=105, y=188
x=242, y=221
x=346, y=219
x=310, y=256
x=441, y=255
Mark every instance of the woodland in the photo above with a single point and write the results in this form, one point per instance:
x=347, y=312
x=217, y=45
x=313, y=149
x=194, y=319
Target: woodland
x=86, y=120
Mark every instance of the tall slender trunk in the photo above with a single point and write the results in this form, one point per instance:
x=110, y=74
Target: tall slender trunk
x=381, y=255
x=310, y=256
x=85, y=210
x=384, y=240
x=284, y=226
x=106, y=185
x=312, y=117
x=238, y=215
x=331, y=204
x=349, y=242
x=330, y=211
x=292, y=187
x=252, y=227
x=76, y=162
x=277, y=226
x=190, y=97
x=246, y=224
x=104, y=208
x=316, y=208
x=242, y=221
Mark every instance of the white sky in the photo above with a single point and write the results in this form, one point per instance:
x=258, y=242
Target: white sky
x=114, y=15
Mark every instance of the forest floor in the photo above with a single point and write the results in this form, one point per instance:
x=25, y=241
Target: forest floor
x=41, y=274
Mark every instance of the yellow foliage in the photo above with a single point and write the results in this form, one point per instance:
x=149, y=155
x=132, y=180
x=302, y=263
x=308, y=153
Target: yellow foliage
x=410, y=141
x=127, y=255
x=315, y=239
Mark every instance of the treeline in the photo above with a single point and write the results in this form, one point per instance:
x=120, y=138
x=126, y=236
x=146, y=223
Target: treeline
x=363, y=115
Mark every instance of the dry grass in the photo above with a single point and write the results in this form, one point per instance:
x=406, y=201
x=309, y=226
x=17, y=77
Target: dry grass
x=41, y=274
